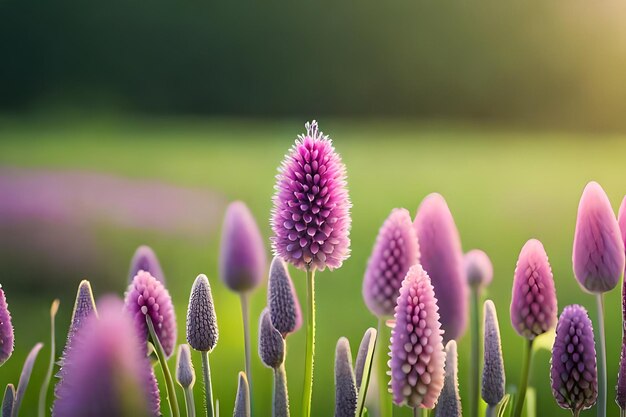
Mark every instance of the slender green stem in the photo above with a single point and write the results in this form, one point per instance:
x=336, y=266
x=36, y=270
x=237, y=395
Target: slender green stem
x=601, y=340
x=491, y=410
x=521, y=389
x=386, y=407
x=475, y=362
x=310, y=343
x=43, y=392
x=425, y=412
x=208, y=389
x=167, y=376
x=280, y=400
x=190, y=406
x=245, y=314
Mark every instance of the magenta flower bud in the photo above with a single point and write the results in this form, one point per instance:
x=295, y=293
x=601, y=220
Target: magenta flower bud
x=449, y=404
x=494, y=378
x=345, y=385
x=147, y=296
x=395, y=251
x=598, y=255
x=417, y=355
x=620, y=394
x=242, y=254
x=311, y=214
x=271, y=342
x=202, y=332
x=282, y=300
x=573, y=372
x=6, y=330
x=242, y=401
x=533, y=303
x=185, y=374
x=442, y=257
x=145, y=259
x=478, y=268
x=106, y=371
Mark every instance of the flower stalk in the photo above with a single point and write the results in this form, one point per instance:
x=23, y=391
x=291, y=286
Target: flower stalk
x=167, y=375
x=523, y=385
x=310, y=342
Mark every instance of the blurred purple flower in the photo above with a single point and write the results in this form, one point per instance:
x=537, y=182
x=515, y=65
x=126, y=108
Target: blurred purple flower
x=494, y=378
x=442, y=257
x=417, y=354
x=395, y=251
x=145, y=259
x=202, y=331
x=311, y=214
x=147, y=296
x=6, y=329
x=478, y=268
x=345, y=385
x=282, y=299
x=598, y=254
x=106, y=373
x=449, y=404
x=573, y=372
x=271, y=342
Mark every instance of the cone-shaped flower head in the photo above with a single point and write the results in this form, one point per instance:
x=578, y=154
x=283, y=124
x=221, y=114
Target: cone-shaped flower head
x=185, y=374
x=478, y=268
x=345, y=385
x=6, y=330
x=202, y=333
x=620, y=395
x=442, y=257
x=145, y=259
x=271, y=342
x=311, y=214
x=242, y=402
x=147, y=296
x=598, y=255
x=449, y=404
x=417, y=355
x=361, y=356
x=106, y=371
x=282, y=300
x=395, y=251
x=243, y=261
x=494, y=380
x=573, y=372
x=533, y=303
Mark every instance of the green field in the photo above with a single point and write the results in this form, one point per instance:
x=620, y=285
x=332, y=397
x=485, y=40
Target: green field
x=503, y=187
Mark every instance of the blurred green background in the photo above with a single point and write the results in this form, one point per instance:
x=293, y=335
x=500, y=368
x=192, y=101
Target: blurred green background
x=508, y=110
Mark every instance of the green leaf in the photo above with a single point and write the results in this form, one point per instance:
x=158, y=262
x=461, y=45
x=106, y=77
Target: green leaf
x=27, y=370
x=367, y=367
x=505, y=408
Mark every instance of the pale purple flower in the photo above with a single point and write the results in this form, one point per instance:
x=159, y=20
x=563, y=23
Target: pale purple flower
x=185, y=374
x=345, y=385
x=533, y=302
x=478, y=268
x=282, y=299
x=395, y=251
x=271, y=342
x=417, y=354
x=442, y=257
x=106, y=371
x=573, y=371
x=494, y=378
x=6, y=329
x=598, y=254
x=202, y=331
x=449, y=404
x=242, y=401
x=147, y=296
x=311, y=214
x=145, y=259
x=243, y=261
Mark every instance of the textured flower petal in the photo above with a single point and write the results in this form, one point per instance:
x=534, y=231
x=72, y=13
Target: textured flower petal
x=145, y=259
x=6, y=329
x=202, y=331
x=478, y=268
x=494, y=379
x=449, y=404
x=282, y=299
x=345, y=385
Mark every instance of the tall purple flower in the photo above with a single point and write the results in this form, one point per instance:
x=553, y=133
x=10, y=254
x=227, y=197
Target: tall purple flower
x=6, y=329
x=271, y=342
x=345, y=385
x=442, y=257
x=533, y=303
x=145, y=259
x=395, y=251
x=107, y=374
x=311, y=214
x=417, y=354
x=494, y=378
x=478, y=268
x=449, y=404
x=598, y=254
x=573, y=372
x=282, y=300
x=202, y=331
x=242, y=254
x=147, y=296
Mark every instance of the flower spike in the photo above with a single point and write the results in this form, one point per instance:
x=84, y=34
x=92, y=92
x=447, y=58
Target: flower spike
x=145, y=259
x=282, y=300
x=345, y=385
x=494, y=379
x=449, y=404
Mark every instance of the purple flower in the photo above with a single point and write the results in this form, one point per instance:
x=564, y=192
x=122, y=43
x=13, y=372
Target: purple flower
x=620, y=395
x=107, y=373
x=282, y=300
x=598, y=254
x=395, y=251
x=311, y=214
x=185, y=374
x=147, y=296
x=242, y=254
x=573, y=371
x=271, y=342
x=345, y=385
x=8, y=400
x=442, y=258
x=6, y=330
x=202, y=332
x=417, y=355
x=494, y=378
x=242, y=401
x=533, y=303
x=449, y=404
x=478, y=268
x=145, y=259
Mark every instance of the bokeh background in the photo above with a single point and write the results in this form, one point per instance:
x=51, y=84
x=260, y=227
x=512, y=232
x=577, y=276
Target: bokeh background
x=127, y=123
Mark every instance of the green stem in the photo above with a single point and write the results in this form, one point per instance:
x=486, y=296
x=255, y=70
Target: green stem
x=521, y=389
x=208, y=389
x=190, y=406
x=46, y=382
x=425, y=412
x=167, y=376
x=386, y=407
x=601, y=340
x=475, y=355
x=245, y=314
x=491, y=410
x=310, y=343
x=280, y=400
